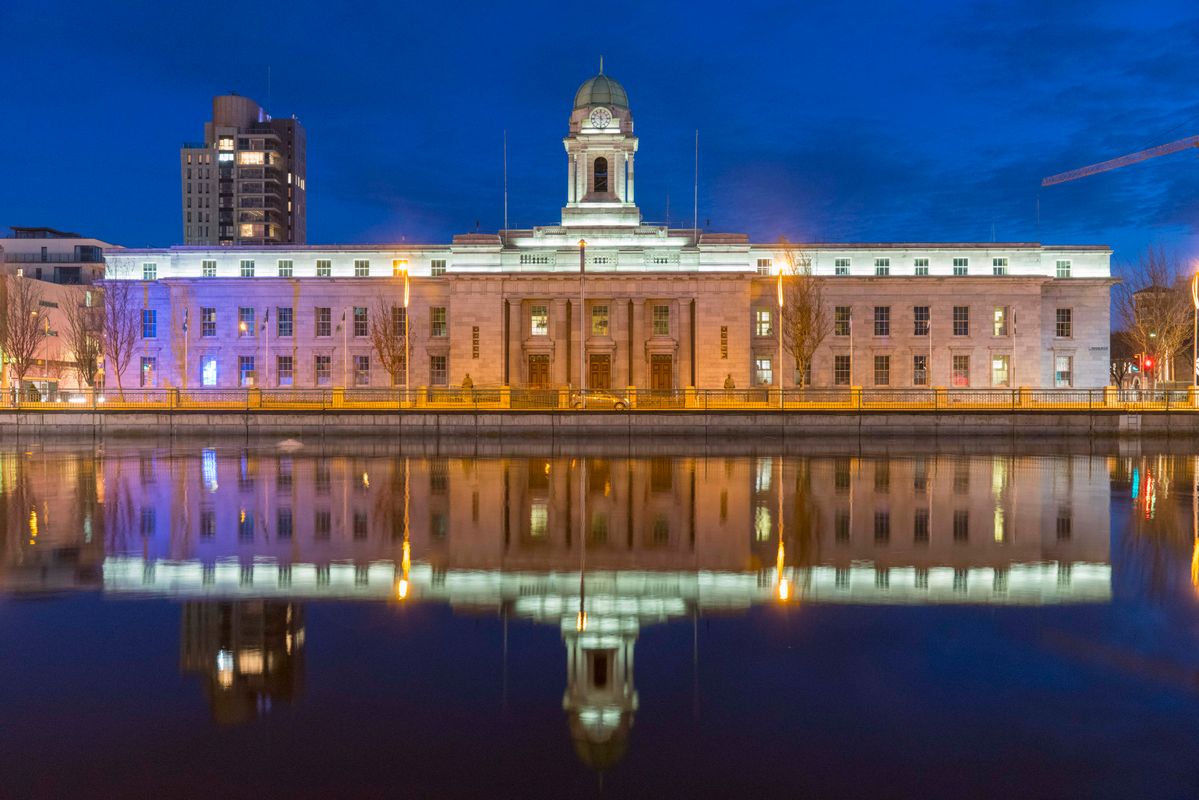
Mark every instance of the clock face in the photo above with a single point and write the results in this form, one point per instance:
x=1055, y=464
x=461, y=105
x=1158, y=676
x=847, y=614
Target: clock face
x=601, y=117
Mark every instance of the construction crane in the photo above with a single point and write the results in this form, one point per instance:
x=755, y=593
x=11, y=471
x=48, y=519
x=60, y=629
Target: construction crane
x=1122, y=161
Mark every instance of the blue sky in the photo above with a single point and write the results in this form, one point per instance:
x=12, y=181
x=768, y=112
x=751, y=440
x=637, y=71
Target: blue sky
x=886, y=121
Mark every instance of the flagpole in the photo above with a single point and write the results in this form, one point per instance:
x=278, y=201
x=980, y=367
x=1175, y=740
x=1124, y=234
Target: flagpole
x=345, y=358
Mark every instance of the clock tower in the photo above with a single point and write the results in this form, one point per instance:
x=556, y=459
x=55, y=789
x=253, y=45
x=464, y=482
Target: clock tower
x=599, y=157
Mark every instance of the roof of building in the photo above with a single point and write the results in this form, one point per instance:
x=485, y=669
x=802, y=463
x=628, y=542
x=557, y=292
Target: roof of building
x=22, y=232
x=601, y=91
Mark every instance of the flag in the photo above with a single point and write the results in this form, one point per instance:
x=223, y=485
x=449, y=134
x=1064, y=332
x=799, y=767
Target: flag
x=185, y=319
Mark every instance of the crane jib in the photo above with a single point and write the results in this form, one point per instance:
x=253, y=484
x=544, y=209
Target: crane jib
x=1122, y=161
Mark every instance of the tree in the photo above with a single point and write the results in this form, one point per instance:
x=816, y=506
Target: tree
x=1154, y=303
x=805, y=315
x=387, y=337
x=122, y=324
x=25, y=326
x=1122, y=354
x=85, y=334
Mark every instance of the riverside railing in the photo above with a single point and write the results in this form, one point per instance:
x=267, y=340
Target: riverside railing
x=496, y=398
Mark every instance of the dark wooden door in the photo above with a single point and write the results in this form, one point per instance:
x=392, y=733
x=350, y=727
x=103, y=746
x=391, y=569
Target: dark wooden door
x=539, y=371
x=601, y=372
x=661, y=373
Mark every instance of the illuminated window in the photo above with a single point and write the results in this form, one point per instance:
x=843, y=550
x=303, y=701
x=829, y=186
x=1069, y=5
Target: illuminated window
x=361, y=322
x=921, y=266
x=882, y=266
x=961, y=371
x=539, y=321
x=437, y=267
x=763, y=322
x=438, y=371
x=920, y=370
x=1000, y=326
x=285, y=268
x=323, y=369
x=208, y=269
x=246, y=375
x=765, y=266
x=1063, y=372
x=324, y=268
x=599, y=320
x=149, y=372
x=999, y=266
x=841, y=321
x=882, y=320
x=251, y=159
x=283, y=321
x=362, y=370
x=1063, y=269
x=763, y=372
x=661, y=320
x=961, y=266
x=247, y=267
x=437, y=321
x=149, y=272
x=921, y=321
x=362, y=268
x=539, y=519
x=1064, y=324
x=324, y=321
x=398, y=267
x=149, y=323
x=961, y=320
x=245, y=321
x=1000, y=370
x=208, y=370
x=841, y=370
x=224, y=143
x=841, y=266
x=284, y=369
x=882, y=370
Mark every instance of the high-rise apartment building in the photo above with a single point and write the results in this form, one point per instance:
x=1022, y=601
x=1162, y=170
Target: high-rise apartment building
x=245, y=184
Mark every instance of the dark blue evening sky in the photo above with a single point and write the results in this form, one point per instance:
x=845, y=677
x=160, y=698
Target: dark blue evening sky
x=886, y=121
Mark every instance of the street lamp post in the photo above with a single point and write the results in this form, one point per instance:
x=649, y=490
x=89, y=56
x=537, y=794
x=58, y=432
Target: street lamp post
x=582, y=321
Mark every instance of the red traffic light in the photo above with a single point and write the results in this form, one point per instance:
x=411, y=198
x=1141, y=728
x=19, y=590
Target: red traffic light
x=1148, y=363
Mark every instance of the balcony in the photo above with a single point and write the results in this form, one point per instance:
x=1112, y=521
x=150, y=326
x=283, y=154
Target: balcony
x=54, y=258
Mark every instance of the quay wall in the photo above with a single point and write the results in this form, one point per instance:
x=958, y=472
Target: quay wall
x=758, y=424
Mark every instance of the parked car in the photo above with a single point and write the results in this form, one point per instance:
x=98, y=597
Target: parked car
x=599, y=399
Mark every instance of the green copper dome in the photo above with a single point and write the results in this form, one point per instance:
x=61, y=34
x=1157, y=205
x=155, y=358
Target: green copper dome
x=601, y=91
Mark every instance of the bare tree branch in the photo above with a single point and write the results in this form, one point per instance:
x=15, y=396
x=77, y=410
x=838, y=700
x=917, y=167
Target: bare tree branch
x=1154, y=304
x=85, y=333
x=806, y=319
x=122, y=324
x=25, y=326
x=387, y=337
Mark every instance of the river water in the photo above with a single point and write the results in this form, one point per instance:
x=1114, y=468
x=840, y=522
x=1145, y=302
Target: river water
x=224, y=619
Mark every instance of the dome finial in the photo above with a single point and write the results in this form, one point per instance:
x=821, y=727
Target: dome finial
x=601, y=65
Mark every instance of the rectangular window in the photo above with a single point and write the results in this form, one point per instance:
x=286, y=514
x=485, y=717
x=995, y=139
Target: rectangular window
x=322, y=524
x=149, y=373
x=437, y=267
x=841, y=370
x=999, y=266
x=921, y=320
x=921, y=265
x=284, y=370
x=438, y=372
x=245, y=321
x=362, y=370
x=599, y=320
x=149, y=272
x=149, y=323
x=961, y=371
x=437, y=321
x=285, y=268
x=399, y=321
x=961, y=266
x=323, y=367
x=246, y=376
x=841, y=266
x=920, y=370
x=882, y=370
x=882, y=320
x=247, y=268
x=208, y=322
x=763, y=372
x=763, y=322
x=999, y=325
x=764, y=266
x=961, y=526
x=324, y=321
x=1000, y=370
x=1063, y=269
x=882, y=266
x=362, y=268
x=284, y=523
x=361, y=321
x=208, y=371
x=961, y=320
x=283, y=321
x=324, y=268
x=920, y=526
x=1063, y=372
x=882, y=527
x=399, y=266
x=207, y=269
x=841, y=321
x=661, y=320
x=539, y=321
x=1064, y=328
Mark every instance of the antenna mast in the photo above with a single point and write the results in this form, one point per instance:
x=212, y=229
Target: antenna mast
x=505, y=237
x=695, y=218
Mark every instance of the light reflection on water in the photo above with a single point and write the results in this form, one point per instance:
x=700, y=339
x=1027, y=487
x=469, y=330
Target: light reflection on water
x=601, y=548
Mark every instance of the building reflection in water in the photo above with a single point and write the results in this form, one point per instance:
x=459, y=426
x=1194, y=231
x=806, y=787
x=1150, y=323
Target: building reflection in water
x=599, y=547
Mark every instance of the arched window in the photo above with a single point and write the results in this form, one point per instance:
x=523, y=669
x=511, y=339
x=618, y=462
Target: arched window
x=601, y=174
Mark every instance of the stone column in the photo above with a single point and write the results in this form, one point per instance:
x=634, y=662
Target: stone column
x=629, y=192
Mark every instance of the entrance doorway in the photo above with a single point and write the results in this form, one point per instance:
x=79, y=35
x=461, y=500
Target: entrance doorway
x=601, y=372
x=661, y=373
x=539, y=371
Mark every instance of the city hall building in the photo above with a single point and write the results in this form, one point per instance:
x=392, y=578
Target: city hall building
x=654, y=308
